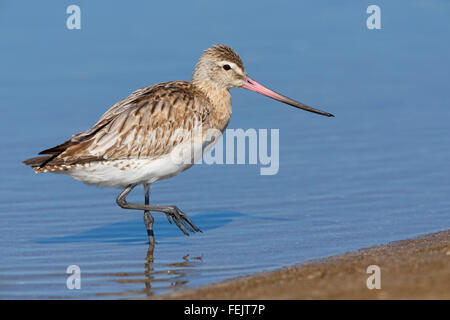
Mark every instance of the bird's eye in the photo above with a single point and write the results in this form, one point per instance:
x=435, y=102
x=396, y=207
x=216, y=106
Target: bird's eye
x=226, y=67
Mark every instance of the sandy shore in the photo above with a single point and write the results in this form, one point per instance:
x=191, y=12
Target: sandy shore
x=410, y=269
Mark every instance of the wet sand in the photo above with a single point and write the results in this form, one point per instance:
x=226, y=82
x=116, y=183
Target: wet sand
x=410, y=269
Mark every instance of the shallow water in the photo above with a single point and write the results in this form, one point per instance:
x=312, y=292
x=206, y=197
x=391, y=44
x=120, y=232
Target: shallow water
x=377, y=172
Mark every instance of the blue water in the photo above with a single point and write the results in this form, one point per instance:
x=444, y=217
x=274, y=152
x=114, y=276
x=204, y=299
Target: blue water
x=377, y=172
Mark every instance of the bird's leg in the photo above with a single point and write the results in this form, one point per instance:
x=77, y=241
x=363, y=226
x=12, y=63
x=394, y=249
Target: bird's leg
x=148, y=218
x=172, y=212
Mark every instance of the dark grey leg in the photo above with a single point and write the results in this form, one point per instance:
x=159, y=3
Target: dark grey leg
x=172, y=212
x=148, y=218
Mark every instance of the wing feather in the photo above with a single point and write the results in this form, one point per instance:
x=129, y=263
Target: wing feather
x=144, y=125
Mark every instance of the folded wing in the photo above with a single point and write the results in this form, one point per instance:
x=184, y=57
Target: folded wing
x=147, y=124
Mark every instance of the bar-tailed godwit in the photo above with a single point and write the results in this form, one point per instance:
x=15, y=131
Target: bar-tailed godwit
x=135, y=141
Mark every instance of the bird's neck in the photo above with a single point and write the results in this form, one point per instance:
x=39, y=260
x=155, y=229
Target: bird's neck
x=220, y=98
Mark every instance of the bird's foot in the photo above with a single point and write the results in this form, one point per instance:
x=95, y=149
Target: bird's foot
x=181, y=220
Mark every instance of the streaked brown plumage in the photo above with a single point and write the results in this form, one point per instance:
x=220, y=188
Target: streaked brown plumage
x=140, y=126
x=131, y=143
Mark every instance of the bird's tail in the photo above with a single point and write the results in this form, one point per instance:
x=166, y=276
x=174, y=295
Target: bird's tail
x=37, y=162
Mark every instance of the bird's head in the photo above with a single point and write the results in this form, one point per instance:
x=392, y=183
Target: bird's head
x=223, y=67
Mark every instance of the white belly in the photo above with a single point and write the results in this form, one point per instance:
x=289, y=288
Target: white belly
x=121, y=173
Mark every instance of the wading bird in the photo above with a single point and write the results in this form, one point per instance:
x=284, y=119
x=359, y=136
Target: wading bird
x=135, y=141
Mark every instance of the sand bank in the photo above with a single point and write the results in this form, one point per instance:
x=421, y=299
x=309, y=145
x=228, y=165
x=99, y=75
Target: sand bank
x=410, y=269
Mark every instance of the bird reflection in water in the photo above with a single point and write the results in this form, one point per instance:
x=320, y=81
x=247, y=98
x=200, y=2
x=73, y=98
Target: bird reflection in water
x=157, y=279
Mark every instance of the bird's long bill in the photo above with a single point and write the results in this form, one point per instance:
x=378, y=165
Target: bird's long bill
x=252, y=85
